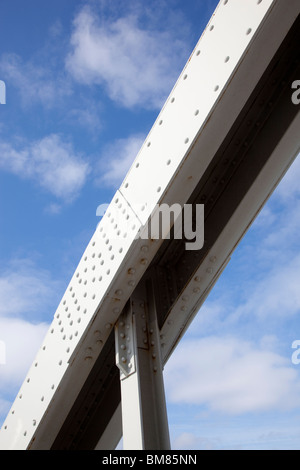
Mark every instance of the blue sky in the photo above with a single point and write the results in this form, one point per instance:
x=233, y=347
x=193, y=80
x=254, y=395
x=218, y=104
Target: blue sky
x=85, y=81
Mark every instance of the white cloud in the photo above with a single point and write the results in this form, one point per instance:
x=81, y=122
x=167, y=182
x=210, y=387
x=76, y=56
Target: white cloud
x=28, y=299
x=50, y=162
x=231, y=376
x=189, y=441
x=35, y=83
x=25, y=290
x=137, y=65
x=277, y=295
x=22, y=340
x=117, y=159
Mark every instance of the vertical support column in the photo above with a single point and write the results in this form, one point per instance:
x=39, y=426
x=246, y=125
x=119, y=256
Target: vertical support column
x=138, y=356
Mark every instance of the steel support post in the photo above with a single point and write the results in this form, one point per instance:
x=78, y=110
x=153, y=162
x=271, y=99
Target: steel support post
x=138, y=356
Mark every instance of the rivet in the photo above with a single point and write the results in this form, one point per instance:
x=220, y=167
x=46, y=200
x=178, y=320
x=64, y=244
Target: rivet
x=119, y=292
x=131, y=271
x=108, y=326
x=209, y=270
x=144, y=249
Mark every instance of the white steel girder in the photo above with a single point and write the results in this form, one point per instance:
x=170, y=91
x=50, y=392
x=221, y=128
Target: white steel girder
x=222, y=72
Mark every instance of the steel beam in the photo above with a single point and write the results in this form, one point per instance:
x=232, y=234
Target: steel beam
x=138, y=355
x=225, y=137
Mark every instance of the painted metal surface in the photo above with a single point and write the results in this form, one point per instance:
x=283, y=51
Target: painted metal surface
x=144, y=412
x=221, y=73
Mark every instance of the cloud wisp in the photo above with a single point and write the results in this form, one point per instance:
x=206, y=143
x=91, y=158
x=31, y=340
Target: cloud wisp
x=37, y=83
x=231, y=376
x=116, y=160
x=136, y=65
x=27, y=304
x=50, y=162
